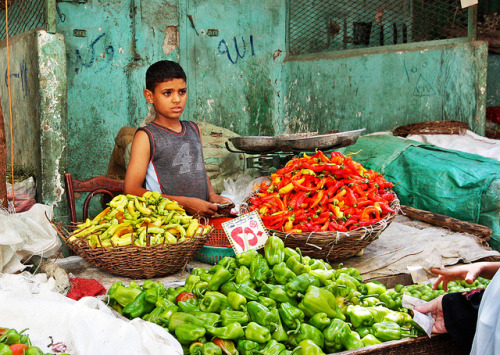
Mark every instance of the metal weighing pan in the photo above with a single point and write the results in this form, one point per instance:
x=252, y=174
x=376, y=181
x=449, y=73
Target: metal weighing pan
x=253, y=144
x=324, y=141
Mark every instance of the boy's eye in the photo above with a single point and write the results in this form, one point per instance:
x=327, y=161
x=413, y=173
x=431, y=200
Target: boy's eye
x=182, y=92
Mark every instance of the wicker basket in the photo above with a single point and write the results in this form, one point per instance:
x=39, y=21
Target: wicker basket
x=432, y=127
x=333, y=246
x=139, y=262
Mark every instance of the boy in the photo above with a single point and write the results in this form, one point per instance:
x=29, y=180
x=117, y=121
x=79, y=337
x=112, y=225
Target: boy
x=167, y=153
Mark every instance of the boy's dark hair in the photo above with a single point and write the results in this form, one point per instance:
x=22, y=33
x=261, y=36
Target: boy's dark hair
x=162, y=71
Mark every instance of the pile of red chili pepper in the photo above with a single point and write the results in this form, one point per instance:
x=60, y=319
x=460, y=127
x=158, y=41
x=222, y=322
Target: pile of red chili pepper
x=322, y=193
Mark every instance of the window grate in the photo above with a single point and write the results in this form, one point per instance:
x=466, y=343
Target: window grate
x=331, y=25
x=24, y=15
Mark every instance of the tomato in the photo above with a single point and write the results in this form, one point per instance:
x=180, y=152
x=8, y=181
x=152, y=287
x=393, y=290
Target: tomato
x=18, y=349
x=183, y=296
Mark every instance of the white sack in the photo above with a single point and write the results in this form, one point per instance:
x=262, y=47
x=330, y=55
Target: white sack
x=86, y=327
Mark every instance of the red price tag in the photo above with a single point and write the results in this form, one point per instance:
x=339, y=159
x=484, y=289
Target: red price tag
x=245, y=232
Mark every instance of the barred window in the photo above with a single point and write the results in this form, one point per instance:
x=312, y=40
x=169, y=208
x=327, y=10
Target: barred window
x=24, y=15
x=332, y=25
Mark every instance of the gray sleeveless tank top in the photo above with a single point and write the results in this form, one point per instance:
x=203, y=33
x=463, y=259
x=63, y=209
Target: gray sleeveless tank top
x=176, y=161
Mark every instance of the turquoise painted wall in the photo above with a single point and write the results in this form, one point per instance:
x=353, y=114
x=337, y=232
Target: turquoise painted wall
x=382, y=90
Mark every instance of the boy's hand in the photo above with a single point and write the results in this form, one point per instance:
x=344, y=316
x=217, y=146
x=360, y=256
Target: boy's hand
x=224, y=204
x=198, y=207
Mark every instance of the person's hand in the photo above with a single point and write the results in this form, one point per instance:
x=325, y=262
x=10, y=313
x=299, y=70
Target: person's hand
x=198, y=207
x=462, y=272
x=435, y=307
x=220, y=200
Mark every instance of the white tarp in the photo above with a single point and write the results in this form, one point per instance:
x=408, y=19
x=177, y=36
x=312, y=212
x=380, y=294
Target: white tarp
x=26, y=233
x=85, y=327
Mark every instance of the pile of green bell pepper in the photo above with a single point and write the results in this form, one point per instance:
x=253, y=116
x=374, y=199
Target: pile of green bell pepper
x=274, y=302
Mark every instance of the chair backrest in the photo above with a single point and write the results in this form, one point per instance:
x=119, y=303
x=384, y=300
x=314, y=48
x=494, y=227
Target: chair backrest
x=94, y=186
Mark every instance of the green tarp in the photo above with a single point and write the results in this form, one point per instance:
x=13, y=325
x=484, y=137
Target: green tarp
x=457, y=184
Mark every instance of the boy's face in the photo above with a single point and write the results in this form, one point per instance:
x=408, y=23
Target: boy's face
x=169, y=98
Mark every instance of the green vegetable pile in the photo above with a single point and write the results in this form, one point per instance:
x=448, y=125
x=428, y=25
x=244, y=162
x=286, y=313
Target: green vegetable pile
x=13, y=342
x=273, y=303
x=425, y=292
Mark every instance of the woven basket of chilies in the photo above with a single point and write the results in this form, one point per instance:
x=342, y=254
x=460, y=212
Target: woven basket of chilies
x=331, y=207
x=154, y=238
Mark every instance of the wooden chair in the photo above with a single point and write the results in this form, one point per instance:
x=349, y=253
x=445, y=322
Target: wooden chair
x=94, y=186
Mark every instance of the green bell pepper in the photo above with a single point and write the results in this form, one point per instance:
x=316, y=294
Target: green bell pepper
x=351, y=340
x=307, y=331
x=199, y=271
x=351, y=271
x=320, y=320
x=206, y=277
x=297, y=263
x=5, y=349
x=230, y=316
x=282, y=273
x=370, y=339
x=228, y=287
x=369, y=301
x=196, y=348
x=248, y=292
x=220, y=277
x=291, y=316
x=33, y=350
x=317, y=264
x=229, y=263
x=274, y=250
x=214, y=301
x=246, y=257
x=258, y=333
x=333, y=334
x=349, y=283
x=259, y=269
x=190, y=305
x=290, y=252
x=230, y=331
x=208, y=318
x=308, y=347
x=138, y=307
x=300, y=284
x=262, y=315
x=200, y=288
x=273, y=347
x=242, y=274
x=179, y=318
x=211, y=348
x=191, y=281
x=266, y=301
x=378, y=313
x=359, y=316
x=153, y=292
x=248, y=347
x=122, y=294
x=392, y=299
x=320, y=300
x=236, y=301
x=187, y=333
x=325, y=277
x=154, y=316
x=364, y=331
x=12, y=336
x=386, y=331
x=375, y=288
x=279, y=333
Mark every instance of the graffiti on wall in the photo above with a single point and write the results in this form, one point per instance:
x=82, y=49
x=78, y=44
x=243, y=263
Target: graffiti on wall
x=89, y=56
x=422, y=85
x=239, y=51
x=21, y=75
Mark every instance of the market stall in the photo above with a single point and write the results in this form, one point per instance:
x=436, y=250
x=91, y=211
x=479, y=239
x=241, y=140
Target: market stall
x=335, y=230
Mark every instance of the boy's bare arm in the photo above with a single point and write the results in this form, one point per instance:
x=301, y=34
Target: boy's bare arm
x=138, y=165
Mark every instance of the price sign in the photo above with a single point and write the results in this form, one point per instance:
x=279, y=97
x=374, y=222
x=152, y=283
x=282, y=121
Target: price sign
x=245, y=232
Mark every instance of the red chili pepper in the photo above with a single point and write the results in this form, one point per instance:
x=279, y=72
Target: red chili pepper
x=183, y=296
x=365, y=215
x=368, y=222
x=319, y=197
x=18, y=349
x=386, y=207
x=321, y=156
x=349, y=198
